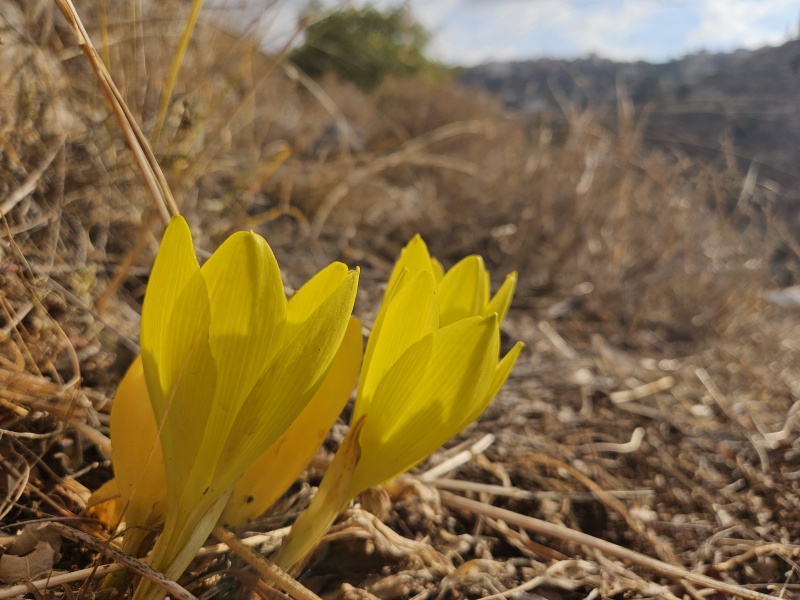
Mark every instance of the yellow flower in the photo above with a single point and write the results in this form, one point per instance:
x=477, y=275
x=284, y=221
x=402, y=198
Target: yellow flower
x=228, y=365
x=282, y=463
x=431, y=367
x=141, y=473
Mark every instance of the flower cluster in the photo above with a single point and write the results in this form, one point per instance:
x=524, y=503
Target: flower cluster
x=236, y=388
x=430, y=369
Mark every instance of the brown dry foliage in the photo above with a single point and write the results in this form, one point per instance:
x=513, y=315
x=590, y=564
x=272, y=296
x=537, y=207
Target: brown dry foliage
x=635, y=265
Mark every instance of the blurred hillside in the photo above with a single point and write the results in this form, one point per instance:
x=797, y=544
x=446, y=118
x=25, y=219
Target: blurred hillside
x=694, y=106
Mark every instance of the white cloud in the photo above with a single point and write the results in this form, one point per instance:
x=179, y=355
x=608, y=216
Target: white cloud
x=742, y=23
x=432, y=13
x=472, y=31
x=619, y=33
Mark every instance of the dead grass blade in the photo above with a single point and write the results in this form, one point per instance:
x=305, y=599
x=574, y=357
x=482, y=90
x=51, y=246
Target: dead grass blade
x=412, y=153
x=70, y=404
x=269, y=571
x=661, y=548
x=137, y=142
x=128, y=561
x=174, y=69
x=205, y=156
x=577, y=537
x=14, y=591
x=30, y=183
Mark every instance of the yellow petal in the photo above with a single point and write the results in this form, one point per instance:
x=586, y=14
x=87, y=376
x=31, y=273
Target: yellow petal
x=463, y=292
x=501, y=373
x=138, y=459
x=105, y=505
x=180, y=372
x=176, y=357
x=331, y=498
x=410, y=427
x=248, y=313
x=173, y=278
x=308, y=298
x=409, y=316
x=107, y=491
x=438, y=270
x=174, y=268
x=276, y=469
x=391, y=400
x=288, y=383
x=502, y=299
x=414, y=258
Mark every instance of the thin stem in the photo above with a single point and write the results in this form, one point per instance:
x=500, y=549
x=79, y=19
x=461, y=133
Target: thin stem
x=577, y=537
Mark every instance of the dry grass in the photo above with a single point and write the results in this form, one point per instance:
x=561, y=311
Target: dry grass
x=656, y=405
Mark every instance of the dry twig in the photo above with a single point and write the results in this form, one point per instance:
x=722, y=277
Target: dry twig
x=577, y=537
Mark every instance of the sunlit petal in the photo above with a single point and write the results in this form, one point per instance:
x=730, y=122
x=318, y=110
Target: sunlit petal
x=277, y=468
x=288, y=383
x=176, y=357
x=438, y=270
x=414, y=258
x=396, y=394
x=502, y=299
x=138, y=459
x=412, y=314
x=462, y=363
x=168, y=329
x=248, y=312
x=463, y=291
x=501, y=372
x=308, y=298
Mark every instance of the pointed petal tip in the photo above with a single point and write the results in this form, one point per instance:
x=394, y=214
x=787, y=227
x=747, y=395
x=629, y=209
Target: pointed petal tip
x=352, y=279
x=179, y=228
x=414, y=242
x=345, y=270
x=248, y=237
x=501, y=301
x=517, y=348
x=177, y=219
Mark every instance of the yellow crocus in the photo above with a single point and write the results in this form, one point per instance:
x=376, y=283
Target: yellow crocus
x=228, y=365
x=141, y=473
x=430, y=368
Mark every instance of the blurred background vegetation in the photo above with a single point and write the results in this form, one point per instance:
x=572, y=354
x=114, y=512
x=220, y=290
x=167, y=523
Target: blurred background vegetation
x=363, y=45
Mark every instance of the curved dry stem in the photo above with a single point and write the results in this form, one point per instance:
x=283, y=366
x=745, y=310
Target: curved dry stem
x=130, y=562
x=137, y=142
x=269, y=571
x=607, y=548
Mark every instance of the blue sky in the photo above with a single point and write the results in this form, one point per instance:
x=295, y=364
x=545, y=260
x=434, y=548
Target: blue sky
x=468, y=32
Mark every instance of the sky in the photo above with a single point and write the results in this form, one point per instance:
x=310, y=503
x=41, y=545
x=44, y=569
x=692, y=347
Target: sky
x=469, y=32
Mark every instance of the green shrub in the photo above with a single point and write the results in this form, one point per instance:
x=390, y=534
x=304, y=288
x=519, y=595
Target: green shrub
x=363, y=45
